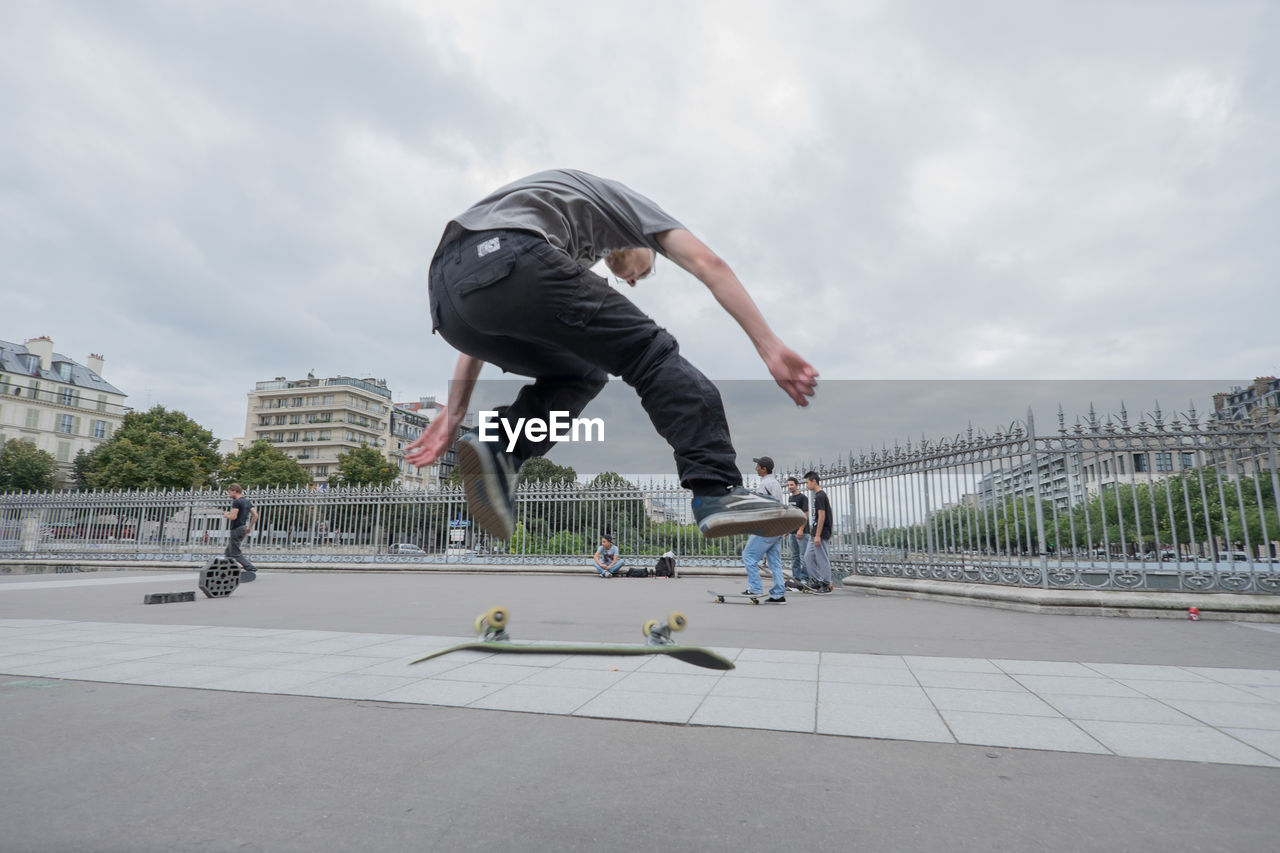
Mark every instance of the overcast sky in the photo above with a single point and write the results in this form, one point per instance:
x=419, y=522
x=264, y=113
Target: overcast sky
x=212, y=194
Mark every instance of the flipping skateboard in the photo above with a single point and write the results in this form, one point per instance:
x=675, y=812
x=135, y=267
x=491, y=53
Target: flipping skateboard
x=491, y=626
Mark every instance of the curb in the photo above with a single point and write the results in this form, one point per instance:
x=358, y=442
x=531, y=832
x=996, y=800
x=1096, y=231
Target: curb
x=1161, y=605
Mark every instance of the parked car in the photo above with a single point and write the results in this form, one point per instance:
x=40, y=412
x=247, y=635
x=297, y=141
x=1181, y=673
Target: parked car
x=405, y=548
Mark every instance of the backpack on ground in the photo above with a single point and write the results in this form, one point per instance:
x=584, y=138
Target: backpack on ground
x=637, y=572
x=666, y=566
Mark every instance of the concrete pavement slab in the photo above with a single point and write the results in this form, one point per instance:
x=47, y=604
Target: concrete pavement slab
x=400, y=764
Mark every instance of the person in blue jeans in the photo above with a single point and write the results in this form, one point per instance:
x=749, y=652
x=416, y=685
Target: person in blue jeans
x=767, y=548
x=511, y=284
x=606, y=561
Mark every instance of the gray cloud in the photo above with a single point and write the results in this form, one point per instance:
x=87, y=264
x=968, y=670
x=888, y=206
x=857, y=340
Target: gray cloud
x=216, y=193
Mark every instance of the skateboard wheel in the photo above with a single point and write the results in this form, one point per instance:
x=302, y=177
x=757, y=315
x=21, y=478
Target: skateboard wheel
x=494, y=617
x=677, y=621
x=649, y=626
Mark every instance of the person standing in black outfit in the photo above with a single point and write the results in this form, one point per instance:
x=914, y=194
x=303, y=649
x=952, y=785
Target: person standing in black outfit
x=817, y=560
x=800, y=540
x=242, y=515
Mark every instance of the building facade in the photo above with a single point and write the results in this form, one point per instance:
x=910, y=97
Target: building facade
x=55, y=403
x=317, y=420
x=1258, y=402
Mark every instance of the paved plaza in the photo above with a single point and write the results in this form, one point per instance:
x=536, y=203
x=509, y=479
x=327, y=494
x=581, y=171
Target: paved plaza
x=865, y=687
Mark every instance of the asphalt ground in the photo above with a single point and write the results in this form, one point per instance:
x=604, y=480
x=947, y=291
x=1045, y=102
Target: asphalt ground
x=101, y=766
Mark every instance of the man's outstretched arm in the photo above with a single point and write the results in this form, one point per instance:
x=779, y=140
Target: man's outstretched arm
x=793, y=374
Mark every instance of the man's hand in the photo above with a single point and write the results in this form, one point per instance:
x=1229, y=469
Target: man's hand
x=793, y=374
x=433, y=442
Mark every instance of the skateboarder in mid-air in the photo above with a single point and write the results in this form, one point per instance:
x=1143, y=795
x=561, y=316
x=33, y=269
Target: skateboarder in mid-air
x=510, y=284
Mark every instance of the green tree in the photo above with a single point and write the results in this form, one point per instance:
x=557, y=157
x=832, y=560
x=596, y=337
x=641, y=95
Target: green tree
x=364, y=466
x=622, y=511
x=540, y=469
x=80, y=470
x=25, y=468
x=260, y=465
x=156, y=449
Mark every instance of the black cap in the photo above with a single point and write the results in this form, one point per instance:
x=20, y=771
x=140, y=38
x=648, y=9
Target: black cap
x=765, y=462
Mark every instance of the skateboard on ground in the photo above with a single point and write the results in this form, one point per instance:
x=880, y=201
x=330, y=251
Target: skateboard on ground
x=754, y=599
x=491, y=626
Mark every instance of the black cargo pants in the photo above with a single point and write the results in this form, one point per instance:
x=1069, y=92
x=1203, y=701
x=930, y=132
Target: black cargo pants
x=512, y=299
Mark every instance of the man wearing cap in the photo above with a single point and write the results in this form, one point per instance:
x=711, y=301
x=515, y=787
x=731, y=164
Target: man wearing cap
x=607, y=561
x=768, y=548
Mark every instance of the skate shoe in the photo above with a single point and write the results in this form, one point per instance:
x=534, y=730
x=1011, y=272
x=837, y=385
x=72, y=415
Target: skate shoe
x=740, y=511
x=489, y=481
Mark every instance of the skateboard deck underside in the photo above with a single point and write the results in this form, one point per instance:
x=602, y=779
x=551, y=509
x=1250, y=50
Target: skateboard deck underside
x=695, y=655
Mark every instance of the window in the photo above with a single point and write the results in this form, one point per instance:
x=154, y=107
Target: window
x=1140, y=463
x=1164, y=461
x=295, y=419
x=321, y=471
x=33, y=419
x=99, y=429
x=102, y=402
x=324, y=435
x=297, y=401
x=264, y=420
x=1106, y=467
x=65, y=424
x=1188, y=461
x=1120, y=462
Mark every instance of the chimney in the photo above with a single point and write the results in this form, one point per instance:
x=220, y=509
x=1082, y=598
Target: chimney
x=42, y=347
x=95, y=363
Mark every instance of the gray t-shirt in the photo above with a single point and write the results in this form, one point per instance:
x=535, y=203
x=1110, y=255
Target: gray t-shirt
x=769, y=487
x=583, y=215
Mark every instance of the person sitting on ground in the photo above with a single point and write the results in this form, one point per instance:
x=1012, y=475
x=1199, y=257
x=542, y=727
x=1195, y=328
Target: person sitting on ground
x=607, y=561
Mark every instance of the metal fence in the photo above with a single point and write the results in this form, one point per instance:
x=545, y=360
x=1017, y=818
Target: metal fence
x=1179, y=504
x=555, y=524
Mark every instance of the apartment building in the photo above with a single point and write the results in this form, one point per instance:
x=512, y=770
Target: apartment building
x=1257, y=402
x=57, y=404
x=316, y=420
x=1059, y=479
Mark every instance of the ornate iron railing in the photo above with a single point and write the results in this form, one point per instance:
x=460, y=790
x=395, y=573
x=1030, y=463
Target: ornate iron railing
x=1179, y=504
x=557, y=524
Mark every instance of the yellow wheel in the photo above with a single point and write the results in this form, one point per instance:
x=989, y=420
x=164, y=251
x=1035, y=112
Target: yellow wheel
x=677, y=621
x=649, y=626
x=494, y=617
